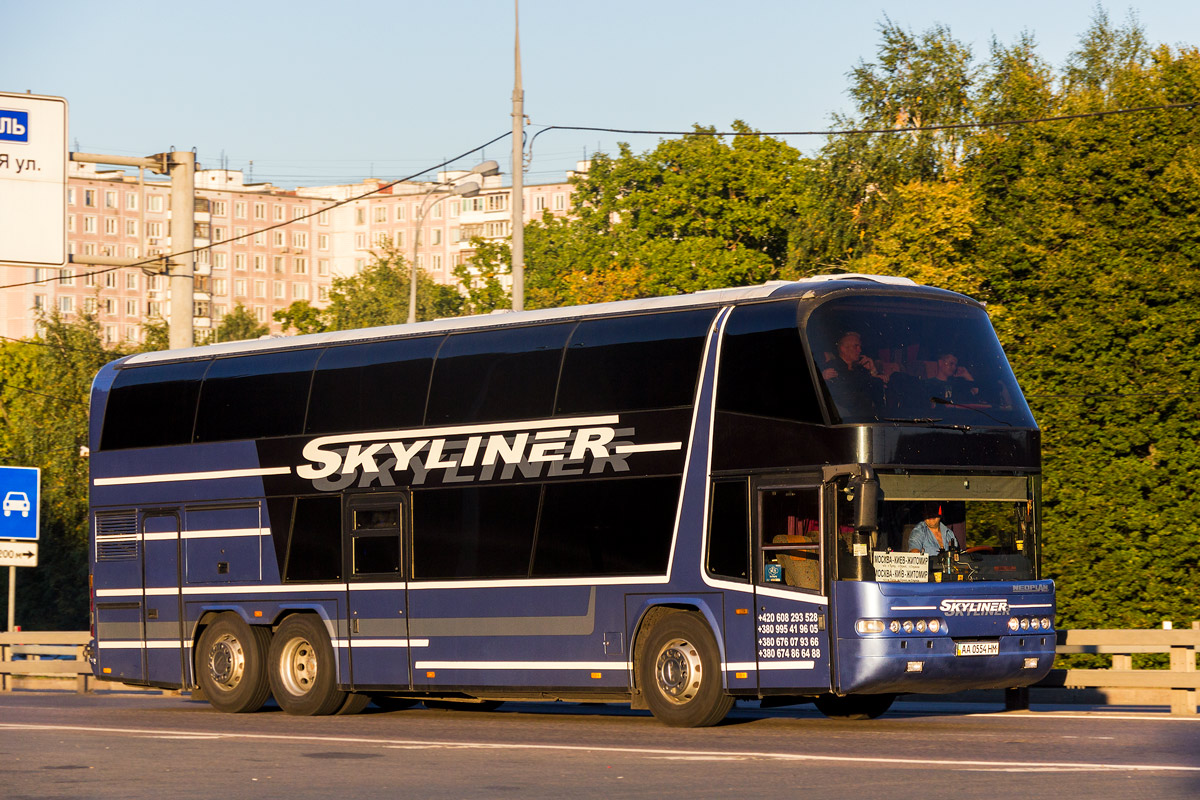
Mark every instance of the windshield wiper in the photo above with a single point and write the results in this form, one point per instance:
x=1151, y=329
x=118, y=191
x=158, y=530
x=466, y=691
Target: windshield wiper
x=941, y=401
x=920, y=420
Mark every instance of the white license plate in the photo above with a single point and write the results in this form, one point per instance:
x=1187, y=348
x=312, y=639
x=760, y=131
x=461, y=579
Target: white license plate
x=976, y=648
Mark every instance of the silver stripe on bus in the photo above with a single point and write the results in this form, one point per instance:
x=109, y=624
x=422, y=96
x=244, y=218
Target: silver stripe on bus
x=739, y=666
x=524, y=665
x=192, y=476
x=294, y=588
x=1032, y=605
x=648, y=448
x=793, y=594
x=914, y=608
x=120, y=644
x=214, y=534
x=357, y=643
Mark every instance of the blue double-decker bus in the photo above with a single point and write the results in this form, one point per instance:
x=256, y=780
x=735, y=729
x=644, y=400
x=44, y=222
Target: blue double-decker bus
x=822, y=491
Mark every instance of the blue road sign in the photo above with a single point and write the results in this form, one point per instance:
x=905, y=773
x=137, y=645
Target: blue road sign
x=19, y=490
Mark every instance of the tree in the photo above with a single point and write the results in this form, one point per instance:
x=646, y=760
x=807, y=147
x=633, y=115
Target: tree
x=301, y=316
x=239, y=324
x=379, y=295
x=44, y=423
x=694, y=213
x=480, y=277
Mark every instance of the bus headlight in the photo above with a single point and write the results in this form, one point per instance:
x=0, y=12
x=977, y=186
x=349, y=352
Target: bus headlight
x=1013, y=624
x=869, y=626
x=935, y=625
x=1024, y=624
x=907, y=626
x=894, y=626
x=1045, y=623
x=1034, y=624
x=920, y=626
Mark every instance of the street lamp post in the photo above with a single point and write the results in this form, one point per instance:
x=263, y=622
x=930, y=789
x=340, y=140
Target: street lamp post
x=461, y=190
x=484, y=170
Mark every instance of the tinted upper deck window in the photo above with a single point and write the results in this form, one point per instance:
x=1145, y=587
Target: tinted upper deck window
x=504, y=374
x=372, y=386
x=626, y=363
x=152, y=406
x=763, y=367
x=251, y=397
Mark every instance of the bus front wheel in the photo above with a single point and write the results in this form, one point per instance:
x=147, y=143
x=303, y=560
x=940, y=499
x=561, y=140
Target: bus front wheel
x=680, y=673
x=231, y=664
x=302, y=669
x=858, y=706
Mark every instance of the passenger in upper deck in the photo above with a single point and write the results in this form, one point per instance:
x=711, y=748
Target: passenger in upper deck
x=951, y=382
x=852, y=377
x=930, y=536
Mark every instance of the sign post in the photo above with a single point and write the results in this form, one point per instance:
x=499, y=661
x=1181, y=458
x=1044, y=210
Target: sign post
x=33, y=180
x=19, y=526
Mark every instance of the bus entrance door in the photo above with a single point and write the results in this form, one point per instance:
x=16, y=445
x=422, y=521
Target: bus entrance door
x=377, y=624
x=792, y=608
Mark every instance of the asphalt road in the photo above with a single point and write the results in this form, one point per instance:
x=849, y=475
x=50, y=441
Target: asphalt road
x=56, y=745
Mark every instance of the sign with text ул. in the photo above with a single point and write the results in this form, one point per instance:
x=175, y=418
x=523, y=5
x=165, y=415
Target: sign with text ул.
x=33, y=180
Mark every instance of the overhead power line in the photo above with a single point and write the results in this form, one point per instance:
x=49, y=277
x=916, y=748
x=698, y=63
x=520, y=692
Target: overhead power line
x=339, y=203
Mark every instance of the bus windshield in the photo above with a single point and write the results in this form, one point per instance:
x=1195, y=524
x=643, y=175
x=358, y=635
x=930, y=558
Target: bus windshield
x=951, y=528
x=916, y=360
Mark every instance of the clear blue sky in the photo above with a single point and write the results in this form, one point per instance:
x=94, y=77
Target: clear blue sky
x=320, y=92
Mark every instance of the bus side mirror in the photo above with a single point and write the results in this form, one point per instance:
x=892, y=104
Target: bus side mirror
x=866, y=509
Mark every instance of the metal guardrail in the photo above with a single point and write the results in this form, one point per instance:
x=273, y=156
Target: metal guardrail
x=25, y=653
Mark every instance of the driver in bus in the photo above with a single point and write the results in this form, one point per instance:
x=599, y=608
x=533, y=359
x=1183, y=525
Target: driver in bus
x=930, y=536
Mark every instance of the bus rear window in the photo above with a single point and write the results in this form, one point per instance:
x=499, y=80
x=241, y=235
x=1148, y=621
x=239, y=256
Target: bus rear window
x=152, y=406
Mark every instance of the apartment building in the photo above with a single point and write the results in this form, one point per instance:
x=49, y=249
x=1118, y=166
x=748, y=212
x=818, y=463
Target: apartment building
x=256, y=245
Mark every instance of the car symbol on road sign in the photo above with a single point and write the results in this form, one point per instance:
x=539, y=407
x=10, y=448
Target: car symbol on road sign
x=16, y=501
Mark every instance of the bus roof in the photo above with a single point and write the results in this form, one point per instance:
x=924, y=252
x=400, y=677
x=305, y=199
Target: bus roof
x=821, y=284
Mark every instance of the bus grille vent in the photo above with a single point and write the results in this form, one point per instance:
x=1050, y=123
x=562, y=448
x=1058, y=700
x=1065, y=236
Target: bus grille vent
x=116, y=536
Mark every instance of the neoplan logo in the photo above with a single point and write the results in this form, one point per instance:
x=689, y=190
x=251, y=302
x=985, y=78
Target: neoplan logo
x=14, y=125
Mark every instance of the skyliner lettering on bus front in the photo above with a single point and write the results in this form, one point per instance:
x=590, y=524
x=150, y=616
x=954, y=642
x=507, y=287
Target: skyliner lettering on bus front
x=336, y=463
x=973, y=608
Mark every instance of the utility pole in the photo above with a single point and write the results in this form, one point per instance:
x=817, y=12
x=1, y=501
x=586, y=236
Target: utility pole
x=181, y=268
x=181, y=166
x=518, y=169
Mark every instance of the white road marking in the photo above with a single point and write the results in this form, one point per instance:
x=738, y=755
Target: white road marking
x=649, y=752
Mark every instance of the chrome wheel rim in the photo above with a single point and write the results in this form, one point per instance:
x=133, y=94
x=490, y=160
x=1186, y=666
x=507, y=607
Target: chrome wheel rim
x=298, y=666
x=227, y=661
x=678, y=671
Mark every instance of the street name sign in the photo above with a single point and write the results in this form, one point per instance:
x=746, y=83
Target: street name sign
x=19, y=491
x=18, y=554
x=33, y=180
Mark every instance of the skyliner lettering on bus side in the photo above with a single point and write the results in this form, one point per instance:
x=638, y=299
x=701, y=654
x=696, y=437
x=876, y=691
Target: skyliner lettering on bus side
x=338, y=461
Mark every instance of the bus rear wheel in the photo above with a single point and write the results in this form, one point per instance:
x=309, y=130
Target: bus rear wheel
x=231, y=661
x=302, y=668
x=857, y=706
x=679, y=673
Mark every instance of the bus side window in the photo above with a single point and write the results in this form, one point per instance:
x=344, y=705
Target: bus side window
x=790, y=535
x=376, y=386
x=315, y=546
x=511, y=374
x=630, y=363
x=254, y=397
x=764, y=371
x=729, y=531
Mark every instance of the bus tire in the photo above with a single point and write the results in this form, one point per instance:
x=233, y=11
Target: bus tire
x=854, y=706
x=388, y=703
x=302, y=668
x=354, y=703
x=231, y=664
x=679, y=673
